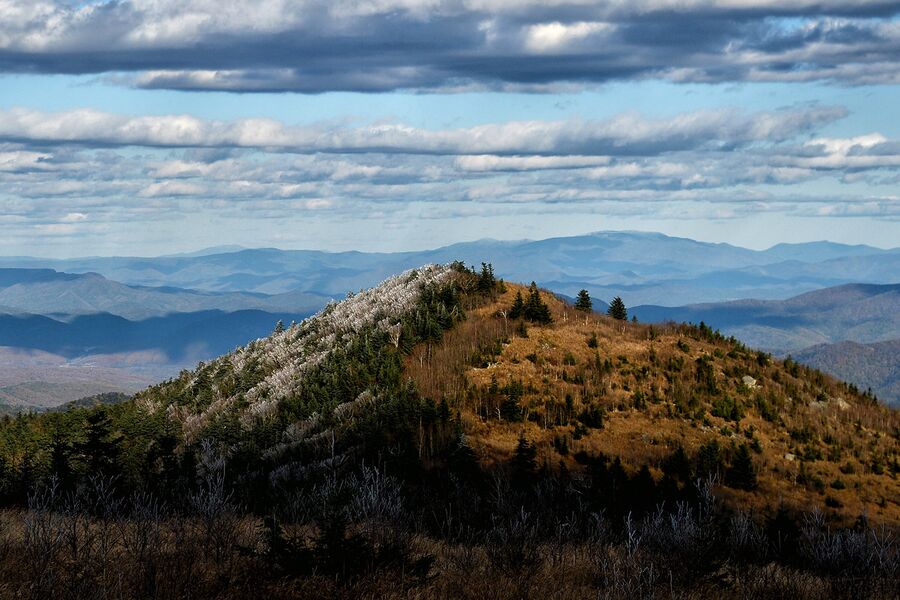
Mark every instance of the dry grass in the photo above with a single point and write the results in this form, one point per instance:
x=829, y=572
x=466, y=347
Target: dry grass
x=99, y=560
x=848, y=439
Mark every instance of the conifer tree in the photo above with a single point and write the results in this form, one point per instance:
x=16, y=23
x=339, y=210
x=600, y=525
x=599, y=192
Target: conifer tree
x=524, y=461
x=742, y=473
x=486, y=280
x=518, y=307
x=279, y=326
x=617, y=309
x=584, y=302
x=59, y=462
x=101, y=447
x=535, y=308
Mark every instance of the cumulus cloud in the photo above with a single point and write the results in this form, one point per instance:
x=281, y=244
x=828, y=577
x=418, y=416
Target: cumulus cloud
x=443, y=45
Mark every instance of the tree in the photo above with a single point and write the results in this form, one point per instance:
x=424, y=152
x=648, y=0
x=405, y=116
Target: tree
x=535, y=308
x=617, y=309
x=524, y=461
x=486, y=280
x=584, y=302
x=742, y=473
x=101, y=447
x=279, y=326
x=518, y=307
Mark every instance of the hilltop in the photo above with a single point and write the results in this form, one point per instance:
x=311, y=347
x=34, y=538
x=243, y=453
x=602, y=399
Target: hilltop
x=589, y=384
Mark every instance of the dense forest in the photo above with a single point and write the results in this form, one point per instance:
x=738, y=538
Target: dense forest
x=451, y=435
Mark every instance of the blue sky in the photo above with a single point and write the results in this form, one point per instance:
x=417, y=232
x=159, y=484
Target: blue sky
x=144, y=127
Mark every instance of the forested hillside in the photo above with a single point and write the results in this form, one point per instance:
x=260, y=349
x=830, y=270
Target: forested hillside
x=447, y=434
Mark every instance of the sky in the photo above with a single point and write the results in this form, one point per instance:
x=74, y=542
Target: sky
x=146, y=127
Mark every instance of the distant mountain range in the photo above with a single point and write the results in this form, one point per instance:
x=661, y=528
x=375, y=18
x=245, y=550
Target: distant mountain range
x=49, y=292
x=642, y=268
x=856, y=312
x=141, y=319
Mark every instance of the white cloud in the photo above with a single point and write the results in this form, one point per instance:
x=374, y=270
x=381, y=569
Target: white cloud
x=628, y=133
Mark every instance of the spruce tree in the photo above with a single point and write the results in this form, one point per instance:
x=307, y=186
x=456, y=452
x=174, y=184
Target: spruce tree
x=583, y=302
x=617, y=309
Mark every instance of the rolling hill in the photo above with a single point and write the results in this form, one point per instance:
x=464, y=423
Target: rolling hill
x=875, y=365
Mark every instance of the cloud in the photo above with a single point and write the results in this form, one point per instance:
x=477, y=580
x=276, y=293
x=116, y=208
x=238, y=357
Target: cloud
x=625, y=134
x=314, y=46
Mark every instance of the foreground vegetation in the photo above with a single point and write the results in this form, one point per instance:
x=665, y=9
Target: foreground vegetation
x=449, y=435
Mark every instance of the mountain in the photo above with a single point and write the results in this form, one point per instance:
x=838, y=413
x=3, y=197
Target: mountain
x=857, y=312
x=643, y=268
x=48, y=292
x=875, y=365
x=584, y=383
x=434, y=429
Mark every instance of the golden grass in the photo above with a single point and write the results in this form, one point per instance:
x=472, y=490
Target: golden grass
x=864, y=434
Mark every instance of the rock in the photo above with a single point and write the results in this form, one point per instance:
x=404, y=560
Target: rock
x=749, y=381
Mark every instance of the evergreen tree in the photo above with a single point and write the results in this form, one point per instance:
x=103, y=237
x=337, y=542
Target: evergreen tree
x=617, y=309
x=486, y=280
x=583, y=302
x=524, y=461
x=101, y=448
x=60, y=467
x=742, y=473
x=279, y=326
x=709, y=459
x=518, y=307
x=677, y=465
x=535, y=308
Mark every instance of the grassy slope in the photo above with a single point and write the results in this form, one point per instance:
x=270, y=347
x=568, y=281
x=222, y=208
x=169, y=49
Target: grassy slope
x=854, y=438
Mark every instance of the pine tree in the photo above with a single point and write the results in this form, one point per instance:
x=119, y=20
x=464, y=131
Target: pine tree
x=584, y=302
x=617, y=309
x=742, y=473
x=279, y=326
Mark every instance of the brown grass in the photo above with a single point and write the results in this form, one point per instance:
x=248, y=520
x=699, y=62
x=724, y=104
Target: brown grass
x=846, y=431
